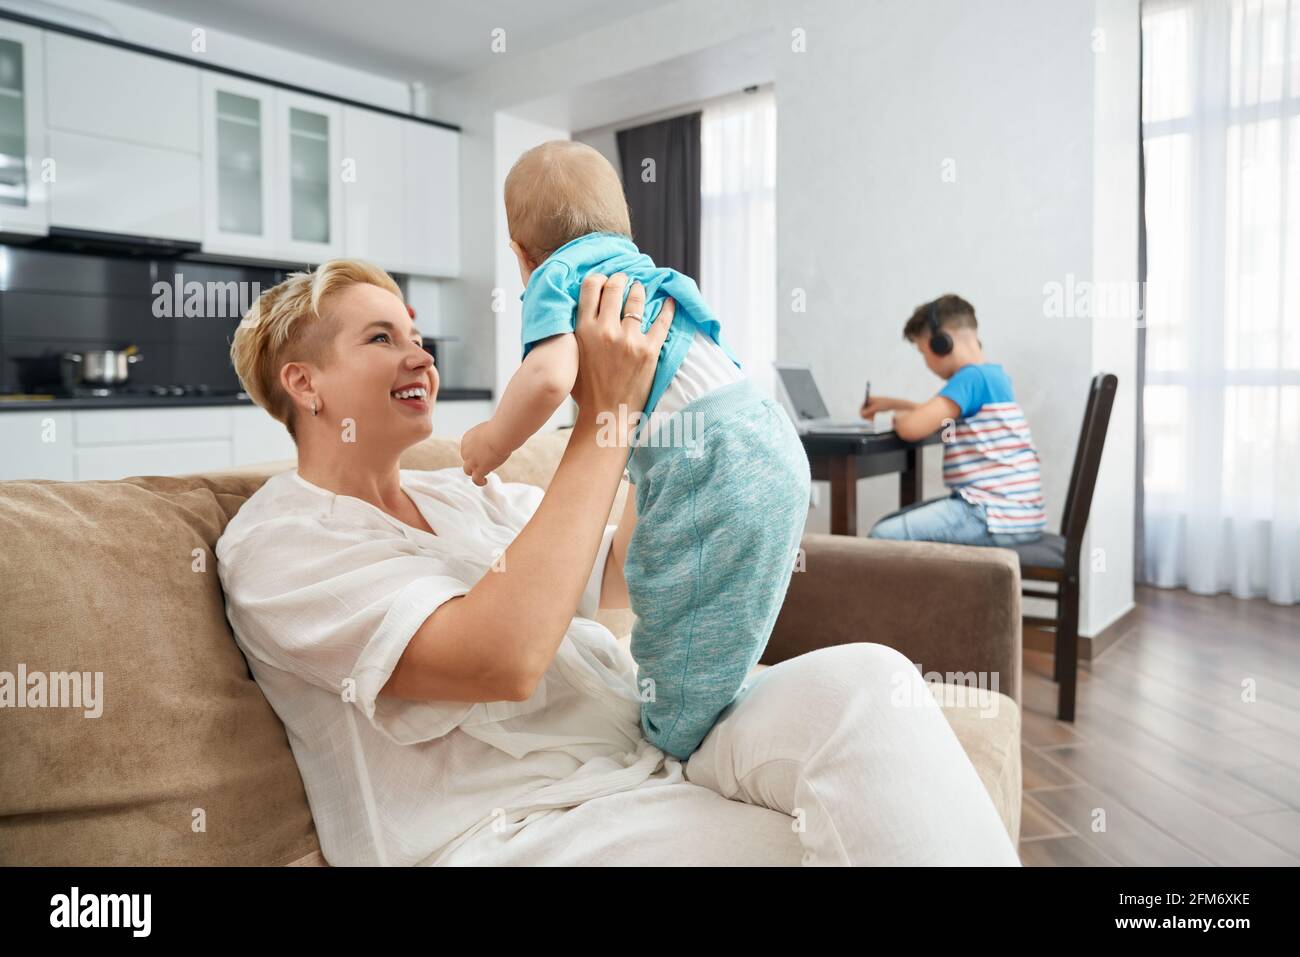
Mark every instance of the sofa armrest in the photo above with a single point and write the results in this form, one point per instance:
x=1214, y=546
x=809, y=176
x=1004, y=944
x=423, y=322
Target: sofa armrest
x=949, y=608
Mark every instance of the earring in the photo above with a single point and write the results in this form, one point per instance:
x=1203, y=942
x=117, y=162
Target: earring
x=313, y=406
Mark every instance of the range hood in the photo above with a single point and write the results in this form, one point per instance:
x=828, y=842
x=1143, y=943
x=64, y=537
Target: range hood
x=94, y=241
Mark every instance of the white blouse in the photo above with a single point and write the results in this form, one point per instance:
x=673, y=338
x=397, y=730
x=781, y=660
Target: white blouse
x=323, y=592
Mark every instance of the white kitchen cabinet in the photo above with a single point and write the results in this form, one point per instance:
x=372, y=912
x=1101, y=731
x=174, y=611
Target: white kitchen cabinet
x=125, y=140
x=110, y=444
x=83, y=444
x=23, y=206
x=454, y=419
x=83, y=124
x=95, y=177
x=102, y=90
x=118, y=443
x=148, y=426
x=238, y=166
x=306, y=185
x=402, y=200
x=256, y=437
x=199, y=438
x=36, y=445
x=374, y=193
x=271, y=172
x=111, y=462
x=432, y=223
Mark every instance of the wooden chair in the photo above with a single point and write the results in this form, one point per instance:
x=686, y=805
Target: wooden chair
x=1056, y=558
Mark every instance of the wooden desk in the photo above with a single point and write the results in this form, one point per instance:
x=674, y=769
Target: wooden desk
x=843, y=458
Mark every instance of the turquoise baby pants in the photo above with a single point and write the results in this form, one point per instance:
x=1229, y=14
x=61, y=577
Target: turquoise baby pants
x=721, y=498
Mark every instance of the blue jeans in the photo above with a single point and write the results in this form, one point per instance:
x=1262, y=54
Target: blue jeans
x=951, y=519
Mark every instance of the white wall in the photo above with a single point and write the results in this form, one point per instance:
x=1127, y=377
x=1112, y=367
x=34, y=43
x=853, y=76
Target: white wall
x=514, y=136
x=1108, y=546
x=883, y=97
x=465, y=303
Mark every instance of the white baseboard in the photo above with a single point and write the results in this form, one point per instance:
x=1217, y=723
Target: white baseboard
x=1093, y=632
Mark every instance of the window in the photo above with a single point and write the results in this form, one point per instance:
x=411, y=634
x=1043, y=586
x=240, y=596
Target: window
x=738, y=226
x=1221, y=134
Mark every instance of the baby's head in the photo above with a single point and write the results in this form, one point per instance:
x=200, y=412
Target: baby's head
x=557, y=192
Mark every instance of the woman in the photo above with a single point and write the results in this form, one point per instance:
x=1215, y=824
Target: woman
x=429, y=643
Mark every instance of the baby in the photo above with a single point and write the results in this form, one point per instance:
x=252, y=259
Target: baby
x=720, y=476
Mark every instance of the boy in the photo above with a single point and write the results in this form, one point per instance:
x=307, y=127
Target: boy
x=989, y=461
x=720, y=479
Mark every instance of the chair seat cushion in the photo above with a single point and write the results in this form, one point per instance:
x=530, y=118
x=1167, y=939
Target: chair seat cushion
x=1047, y=552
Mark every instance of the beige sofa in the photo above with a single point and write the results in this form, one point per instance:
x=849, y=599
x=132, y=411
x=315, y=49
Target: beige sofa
x=187, y=763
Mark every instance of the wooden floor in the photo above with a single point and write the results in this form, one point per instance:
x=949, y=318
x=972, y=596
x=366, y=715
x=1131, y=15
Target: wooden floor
x=1165, y=763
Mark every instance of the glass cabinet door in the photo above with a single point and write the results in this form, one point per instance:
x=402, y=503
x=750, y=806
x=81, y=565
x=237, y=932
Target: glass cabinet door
x=240, y=176
x=309, y=187
x=238, y=161
x=310, y=224
x=13, y=126
x=22, y=193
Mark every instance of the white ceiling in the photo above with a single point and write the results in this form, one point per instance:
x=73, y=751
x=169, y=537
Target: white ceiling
x=404, y=39
x=701, y=75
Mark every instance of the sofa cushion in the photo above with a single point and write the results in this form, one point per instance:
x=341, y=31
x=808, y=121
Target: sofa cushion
x=186, y=762
x=990, y=735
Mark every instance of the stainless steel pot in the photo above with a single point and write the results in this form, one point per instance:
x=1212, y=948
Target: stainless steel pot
x=103, y=366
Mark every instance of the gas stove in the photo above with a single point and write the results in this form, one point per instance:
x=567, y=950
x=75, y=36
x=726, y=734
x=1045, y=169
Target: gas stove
x=161, y=391
x=132, y=390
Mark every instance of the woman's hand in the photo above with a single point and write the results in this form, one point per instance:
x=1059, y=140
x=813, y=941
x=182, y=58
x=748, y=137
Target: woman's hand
x=616, y=360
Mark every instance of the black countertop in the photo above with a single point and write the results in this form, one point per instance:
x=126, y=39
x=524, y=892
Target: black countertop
x=11, y=404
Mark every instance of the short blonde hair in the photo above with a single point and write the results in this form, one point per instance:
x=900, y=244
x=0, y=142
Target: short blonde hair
x=559, y=191
x=287, y=324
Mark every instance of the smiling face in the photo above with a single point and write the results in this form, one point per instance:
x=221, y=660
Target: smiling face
x=380, y=376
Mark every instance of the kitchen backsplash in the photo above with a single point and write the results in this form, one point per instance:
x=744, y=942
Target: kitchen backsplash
x=180, y=314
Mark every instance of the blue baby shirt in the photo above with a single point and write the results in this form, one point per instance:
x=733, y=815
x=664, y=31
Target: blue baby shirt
x=551, y=299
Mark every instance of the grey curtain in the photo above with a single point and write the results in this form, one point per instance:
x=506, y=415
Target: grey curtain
x=661, y=179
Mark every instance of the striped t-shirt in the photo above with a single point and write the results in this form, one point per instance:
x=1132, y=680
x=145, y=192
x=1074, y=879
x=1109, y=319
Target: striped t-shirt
x=990, y=458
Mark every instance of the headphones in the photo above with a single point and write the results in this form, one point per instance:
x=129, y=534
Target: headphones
x=940, y=342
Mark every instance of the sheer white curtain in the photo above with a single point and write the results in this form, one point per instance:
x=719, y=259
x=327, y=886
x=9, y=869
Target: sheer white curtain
x=1221, y=132
x=738, y=226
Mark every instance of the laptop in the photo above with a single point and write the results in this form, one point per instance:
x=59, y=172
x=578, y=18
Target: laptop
x=810, y=413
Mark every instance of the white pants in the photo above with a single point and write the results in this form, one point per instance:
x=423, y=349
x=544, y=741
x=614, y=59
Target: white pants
x=814, y=763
